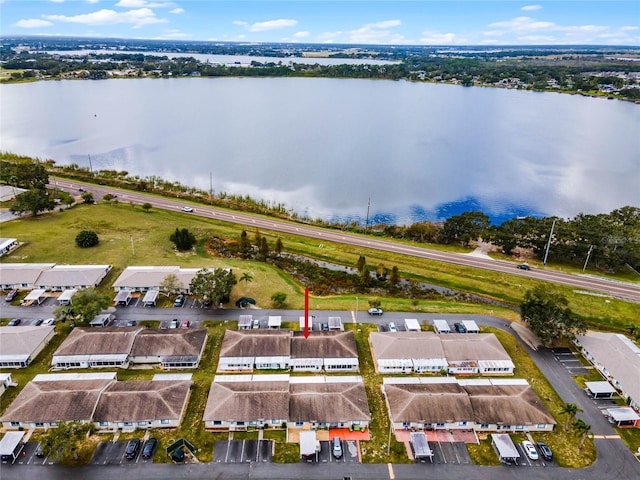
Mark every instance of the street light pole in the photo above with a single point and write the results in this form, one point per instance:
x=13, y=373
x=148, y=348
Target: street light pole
x=546, y=253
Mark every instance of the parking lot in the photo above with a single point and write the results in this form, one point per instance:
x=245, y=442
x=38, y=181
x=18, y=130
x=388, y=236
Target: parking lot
x=449, y=452
x=525, y=461
x=570, y=361
x=239, y=451
x=28, y=456
x=112, y=453
x=349, y=452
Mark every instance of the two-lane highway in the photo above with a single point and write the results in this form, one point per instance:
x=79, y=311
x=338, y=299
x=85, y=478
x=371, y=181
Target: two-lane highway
x=623, y=290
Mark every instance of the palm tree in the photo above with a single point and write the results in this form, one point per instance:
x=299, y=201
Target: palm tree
x=246, y=277
x=582, y=428
x=569, y=409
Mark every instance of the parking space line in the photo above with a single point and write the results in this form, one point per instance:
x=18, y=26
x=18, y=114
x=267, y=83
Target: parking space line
x=226, y=455
x=444, y=457
x=391, y=474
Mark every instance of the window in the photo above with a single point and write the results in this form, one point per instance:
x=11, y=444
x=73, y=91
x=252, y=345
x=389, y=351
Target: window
x=519, y=427
x=103, y=424
x=462, y=424
x=15, y=424
x=541, y=425
x=484, y=425
x=439, y=425
x=164, y=421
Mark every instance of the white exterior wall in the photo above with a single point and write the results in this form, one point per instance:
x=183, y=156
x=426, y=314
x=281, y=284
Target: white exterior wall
x=236, y=364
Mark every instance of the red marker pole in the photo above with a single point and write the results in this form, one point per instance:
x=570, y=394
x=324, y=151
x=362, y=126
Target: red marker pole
x=306, y=313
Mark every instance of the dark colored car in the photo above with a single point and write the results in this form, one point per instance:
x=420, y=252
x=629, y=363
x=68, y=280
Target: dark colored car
x=149, y=448
x=178, y=455
x=37, y=322
x=325, y=327
x=39, y=453
x=132, y=323
x=13, y=322
x=458, y=327
x=524, y=266
x=11, y=295
x=545, y=451
x=133, y=447
x=179, y=301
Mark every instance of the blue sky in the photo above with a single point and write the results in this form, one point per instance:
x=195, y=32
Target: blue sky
x=416, y=22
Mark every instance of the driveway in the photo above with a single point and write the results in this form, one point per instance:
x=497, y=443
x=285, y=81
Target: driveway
x=239, y=451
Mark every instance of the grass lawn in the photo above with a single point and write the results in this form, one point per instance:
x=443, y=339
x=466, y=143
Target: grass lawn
x=50, y=238
x=283, y=452
x=483, y=453
x=630, y=436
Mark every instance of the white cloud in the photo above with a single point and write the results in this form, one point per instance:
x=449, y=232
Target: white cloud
x=57, y=1
x=93, y=1
x=433, y=37
x=270, y=25
x=523, y=24
x=239, y=22
x=531, y=8
x=301, y=35
x=32, y=23
x=173, y=33
x=377, y=32
x=329, y=37
x=176, y=11
x=139, y=17
x=143, y=3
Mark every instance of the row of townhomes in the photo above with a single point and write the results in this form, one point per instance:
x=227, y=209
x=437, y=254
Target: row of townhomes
x=427, y=352
x=100, y=399
x=248, y=350
x=145, y=278
x=50, y=276
x=238, y=402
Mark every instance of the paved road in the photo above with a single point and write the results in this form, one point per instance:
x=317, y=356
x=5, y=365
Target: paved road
x=614, y=459
x=623, y=290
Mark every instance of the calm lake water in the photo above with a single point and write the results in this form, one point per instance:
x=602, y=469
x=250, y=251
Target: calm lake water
x=324, y=147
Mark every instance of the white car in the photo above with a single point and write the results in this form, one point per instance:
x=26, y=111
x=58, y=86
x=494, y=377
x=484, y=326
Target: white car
x=187, y=209
x=49, y=322
x=530, y=450
x=392, y=327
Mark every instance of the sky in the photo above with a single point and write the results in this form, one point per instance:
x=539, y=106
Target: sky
x=386, y=22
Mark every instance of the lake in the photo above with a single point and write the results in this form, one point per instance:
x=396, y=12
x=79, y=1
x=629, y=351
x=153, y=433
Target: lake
x=324, y=147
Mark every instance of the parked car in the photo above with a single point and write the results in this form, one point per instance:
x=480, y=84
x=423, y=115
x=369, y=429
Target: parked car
x=185, y=324
x=36, y=322
x=174, y=323
x=179, y=301
x=13, y=322
x=39, y=453
x=49, y=322
x=530, y=450
x=524, y=266
x=325, y=327
x=132, y=323
x=11, y=295
x=187, y=209
x=458, y=327
x=132, y=449
x=375, y=311
x=337, y=447
x=545, y=451
x=392, y=327
x=149, y=448
x=255, y=324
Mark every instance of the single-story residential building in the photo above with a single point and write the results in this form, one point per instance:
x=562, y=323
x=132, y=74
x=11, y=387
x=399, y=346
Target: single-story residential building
x=504, y=447
x=246, y=350
x=107, y=347
x=412, y=325
x=482, y=354
x=617, y=358
x=7, y=244
x=244, y=322
x=21, y=276
x=407, y=352
x=5, y=382
x=66, y=296
x=68, y=277
x=157, y=403
x=333, y=351
x=143, y=278
x=482, y=405
x=22, y=344
x=441, y=326
x=237, y=402
x=150, y=298
x=173, y=348
x=37, y=296
x=52, y=398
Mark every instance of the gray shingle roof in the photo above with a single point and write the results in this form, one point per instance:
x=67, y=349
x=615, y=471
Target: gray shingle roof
x=324, y=345
x=247, y=401
x=256, y=343
x=96, y=341
x=174, y=342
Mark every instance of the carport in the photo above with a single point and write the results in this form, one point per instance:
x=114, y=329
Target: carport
x=65, y=297
x=35, y=296
x=470, y=326
x=411, y=325
x=600, y=389
x=308, y=445
x=505, y=448
x=420, y=446
x=274, y=321
x=624, y=416
x=244, y=322
x=123, y=297
x=10, y=446
x=150, y=298
x=441, y=326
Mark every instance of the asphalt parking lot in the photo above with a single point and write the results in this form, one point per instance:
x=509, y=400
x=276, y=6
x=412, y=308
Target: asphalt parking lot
x=449, y=452
x=349, y=452
x=28, y=456
x=112, y=453
x=525, y=461
x=570, y=361
x=239, y=451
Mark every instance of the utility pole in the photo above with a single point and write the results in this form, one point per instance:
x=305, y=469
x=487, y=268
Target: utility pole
x=546, y=253
x=588, y=256
x=210, y=188
x=366, y=225
x=133, y=250
x=90, y=167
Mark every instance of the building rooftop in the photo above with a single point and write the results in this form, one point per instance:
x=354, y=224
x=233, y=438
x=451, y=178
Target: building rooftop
x=170, y=342
x=256, y=343
x=98, y=341
x=324, y=345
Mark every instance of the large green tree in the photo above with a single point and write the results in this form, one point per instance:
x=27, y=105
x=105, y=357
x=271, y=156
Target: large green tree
x=24, y=173
x=85, y=305
x=183, y=239
x=35, y=200
x=61, y=443
x=214, y=285
x=547, y=313
x=466, y=227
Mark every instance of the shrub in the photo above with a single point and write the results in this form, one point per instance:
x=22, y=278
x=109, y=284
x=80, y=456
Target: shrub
x=87, y=238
